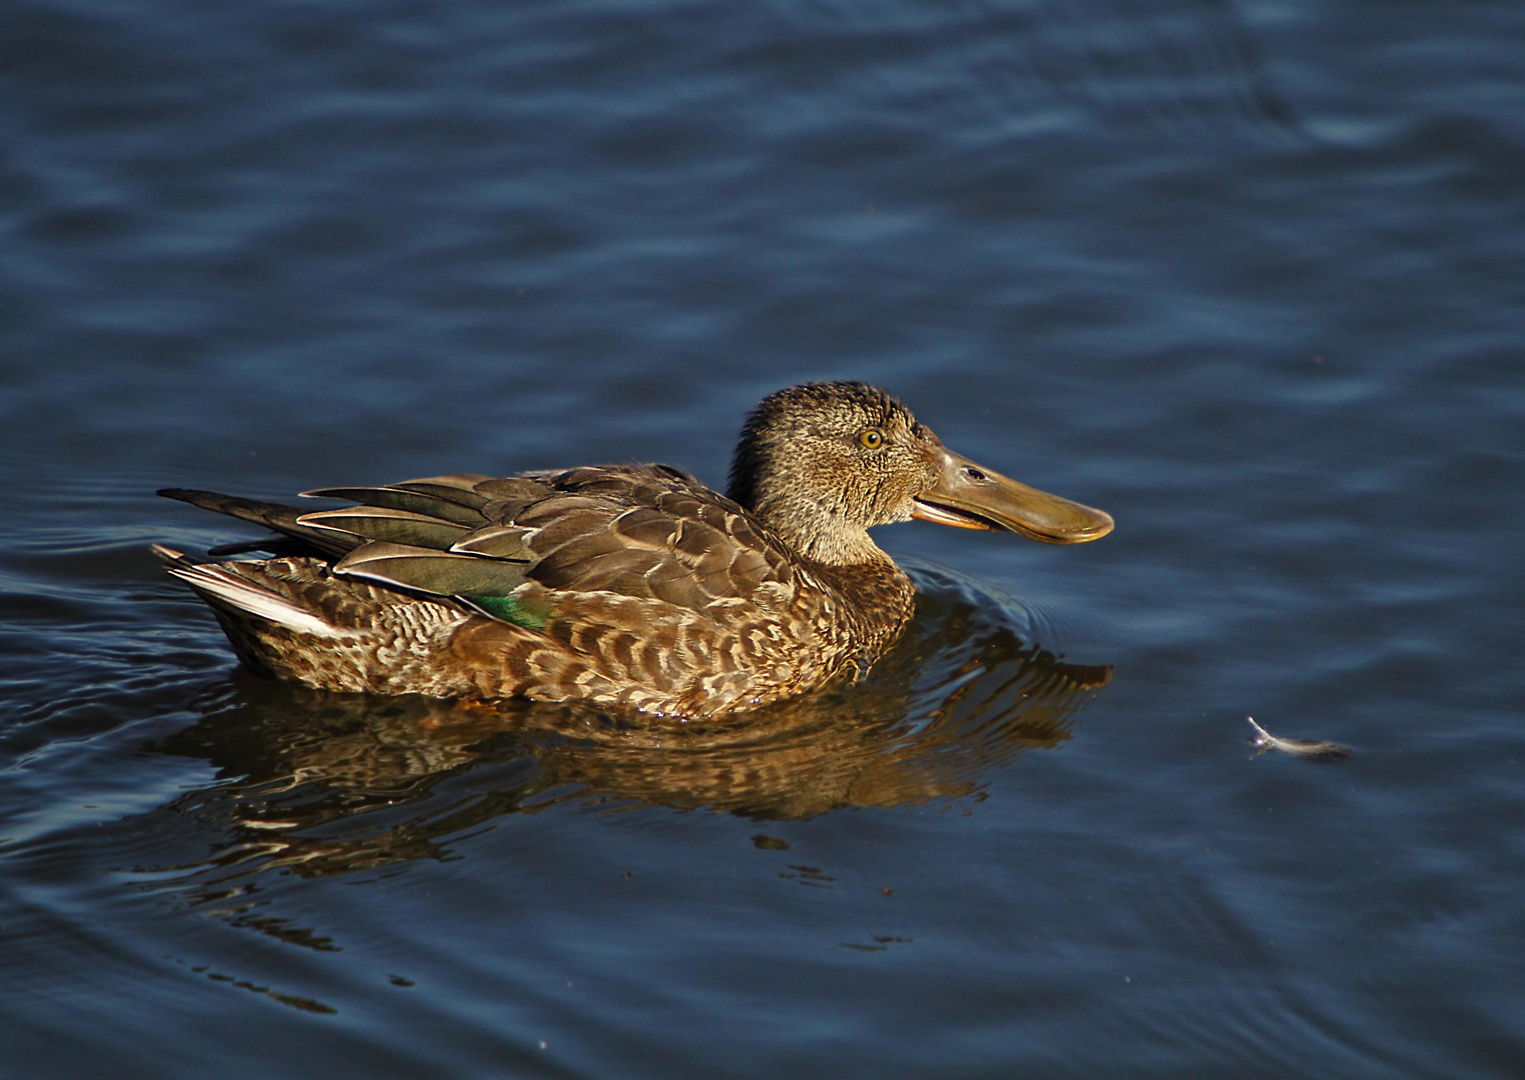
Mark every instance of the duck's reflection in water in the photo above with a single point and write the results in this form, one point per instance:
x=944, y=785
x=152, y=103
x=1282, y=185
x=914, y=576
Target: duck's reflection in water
x=324, y=783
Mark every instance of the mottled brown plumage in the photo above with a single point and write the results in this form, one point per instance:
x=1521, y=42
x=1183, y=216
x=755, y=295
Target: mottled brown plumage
x=623, y=586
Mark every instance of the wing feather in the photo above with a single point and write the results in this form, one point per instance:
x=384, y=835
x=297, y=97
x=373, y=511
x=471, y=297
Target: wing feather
x=385, y=523
x=396, y=497
x=439, y=573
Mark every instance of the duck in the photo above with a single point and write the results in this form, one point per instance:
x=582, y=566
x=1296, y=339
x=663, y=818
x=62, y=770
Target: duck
x=625, y=587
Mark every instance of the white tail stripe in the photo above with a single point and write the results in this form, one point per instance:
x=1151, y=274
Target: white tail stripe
x=231, y=589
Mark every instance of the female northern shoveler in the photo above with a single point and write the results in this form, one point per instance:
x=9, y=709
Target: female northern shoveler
x=621, y=585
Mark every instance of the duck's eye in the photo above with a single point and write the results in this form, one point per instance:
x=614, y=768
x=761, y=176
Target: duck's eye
x=871, y=438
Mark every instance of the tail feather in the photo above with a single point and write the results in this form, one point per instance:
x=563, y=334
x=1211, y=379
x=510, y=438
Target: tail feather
x=223, y=587
x=277, y=516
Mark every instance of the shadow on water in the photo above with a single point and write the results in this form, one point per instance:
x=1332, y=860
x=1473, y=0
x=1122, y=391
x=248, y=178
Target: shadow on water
x=319, y=783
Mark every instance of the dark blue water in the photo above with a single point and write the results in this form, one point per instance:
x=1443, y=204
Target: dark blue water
x=1248, y=276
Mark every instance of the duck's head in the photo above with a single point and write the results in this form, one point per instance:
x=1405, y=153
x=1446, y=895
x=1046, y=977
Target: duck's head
x=822, y=463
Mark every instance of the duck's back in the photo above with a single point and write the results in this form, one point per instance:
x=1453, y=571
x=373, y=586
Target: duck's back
x=628, y=586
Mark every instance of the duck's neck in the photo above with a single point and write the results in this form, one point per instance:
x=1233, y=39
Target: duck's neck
x=820, y=531
x=829, y=543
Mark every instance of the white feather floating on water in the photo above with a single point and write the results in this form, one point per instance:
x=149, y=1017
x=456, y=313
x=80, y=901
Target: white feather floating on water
x=1308, y=748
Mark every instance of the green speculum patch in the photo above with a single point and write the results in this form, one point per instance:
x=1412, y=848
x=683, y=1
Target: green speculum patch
x=510, y=610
